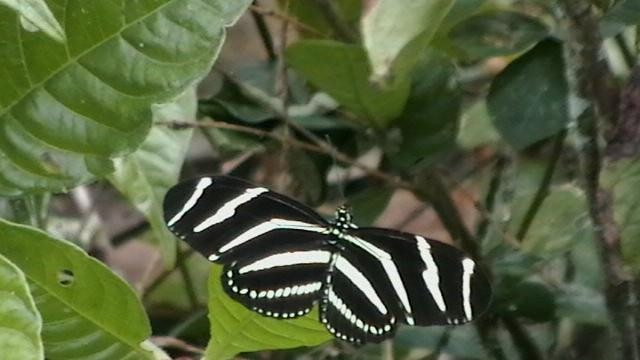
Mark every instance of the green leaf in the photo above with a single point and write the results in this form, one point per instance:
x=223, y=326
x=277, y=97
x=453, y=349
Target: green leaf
x=369, y=204
x=622, y=178
x=528, y=100
x=310, y=14
x=20, y=322
x=87, y=310
x=395, y=32
x=36, y=14
x=476, y=128
x=64, y=115
x=236, y=329
x=496, y=34
x=342, y=71
x=145, y=175
x=429, y=123
x=623, y=14
x=464, y=342
x=581, y=304
x=528, y=299
x=560, y=222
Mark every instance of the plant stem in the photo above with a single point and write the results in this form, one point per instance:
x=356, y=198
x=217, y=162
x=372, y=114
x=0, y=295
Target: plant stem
x=543, y=189
x=589, y=80
x=490, y=199
x=524, y=343
x=265, y=34
x=337, y=21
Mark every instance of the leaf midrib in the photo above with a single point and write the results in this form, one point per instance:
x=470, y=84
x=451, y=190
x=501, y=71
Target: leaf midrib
x=74, y=60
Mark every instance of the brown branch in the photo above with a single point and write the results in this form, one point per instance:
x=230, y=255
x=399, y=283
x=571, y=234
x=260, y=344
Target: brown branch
x=589, y=83
x=284, y=17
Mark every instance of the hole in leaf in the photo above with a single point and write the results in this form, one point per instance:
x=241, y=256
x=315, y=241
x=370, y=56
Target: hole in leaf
x=65, y=277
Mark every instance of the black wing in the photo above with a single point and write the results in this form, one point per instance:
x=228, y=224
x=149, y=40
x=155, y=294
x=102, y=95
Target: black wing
x=420, y=282
x=274, y=248
x=225, y=219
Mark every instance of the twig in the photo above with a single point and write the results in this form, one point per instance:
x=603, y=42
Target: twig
x=490, y=199
x=182, y=256
x=284, y=17
x=524, y=343
x=543, y=189
x=265, y=34
x=168, y=341
x=326, y=150
x=337, y=21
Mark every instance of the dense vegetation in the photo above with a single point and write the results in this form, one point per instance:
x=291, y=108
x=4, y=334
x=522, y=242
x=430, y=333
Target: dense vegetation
x=509, y=128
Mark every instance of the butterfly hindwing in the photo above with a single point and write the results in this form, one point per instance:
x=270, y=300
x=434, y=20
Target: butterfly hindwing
x=225, y=218
x=282, y=284
x=435, y=284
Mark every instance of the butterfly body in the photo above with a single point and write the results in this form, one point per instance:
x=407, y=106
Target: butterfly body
x=281, y=258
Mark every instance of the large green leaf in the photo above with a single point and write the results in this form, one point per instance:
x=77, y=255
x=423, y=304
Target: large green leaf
x=529, y=99
x=236, y=329
x=20, y=321
x=145, y=175
x=66, y=108
x=36, y=14
x=395, y=32
x=622, y=178
x=496, y=33
x=342, y=71
x=87, y=310
x=623, y=14
x=429, y=123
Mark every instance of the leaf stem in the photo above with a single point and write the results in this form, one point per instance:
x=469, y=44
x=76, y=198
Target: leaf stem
x=265, y=34
x=337, y=21
x=543, y=189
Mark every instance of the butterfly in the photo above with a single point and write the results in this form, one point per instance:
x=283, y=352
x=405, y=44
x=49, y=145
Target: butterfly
x=281, y=258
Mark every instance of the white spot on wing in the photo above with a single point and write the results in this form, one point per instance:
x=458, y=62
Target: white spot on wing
x=193, y=200
x=467, y=266
x=361, y=282
x=229, y=209
x=430, y=274
x=288, y=259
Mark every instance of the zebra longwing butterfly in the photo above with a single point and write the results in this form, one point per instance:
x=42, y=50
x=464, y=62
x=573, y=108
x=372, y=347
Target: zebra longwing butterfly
x=281, y=258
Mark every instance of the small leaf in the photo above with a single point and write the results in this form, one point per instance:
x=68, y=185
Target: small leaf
x=310, y=14
x=528, y=100
x=20, y=322
x=369, y=204
x=496, y=33
x=87, y=310
x=581, y=304
x=145, y=175
x=236, y=329
x=560, y=222
x=342, y=71
x=36, y=13
x=463, y=343
x=528, y=299
x=476, y=128
x=623, y=14
x=395, y=32
x=622, y=178
x=429, y=123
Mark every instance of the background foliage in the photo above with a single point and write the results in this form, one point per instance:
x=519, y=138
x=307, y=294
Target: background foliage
x=509, y=128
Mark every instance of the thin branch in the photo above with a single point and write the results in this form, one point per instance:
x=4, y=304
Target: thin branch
x=265, y=34
x=490, y=199
x=543, y=189
x=284, y=17
x=182, y=256
x=320, y=149
x=337, y=21
x=525, y=345
x=172, y=342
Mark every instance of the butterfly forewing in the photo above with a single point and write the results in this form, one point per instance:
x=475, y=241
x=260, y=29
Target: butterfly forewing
x=225, y=218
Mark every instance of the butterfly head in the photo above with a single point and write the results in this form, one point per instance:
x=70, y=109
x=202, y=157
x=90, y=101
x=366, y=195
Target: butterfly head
x=343, y=218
